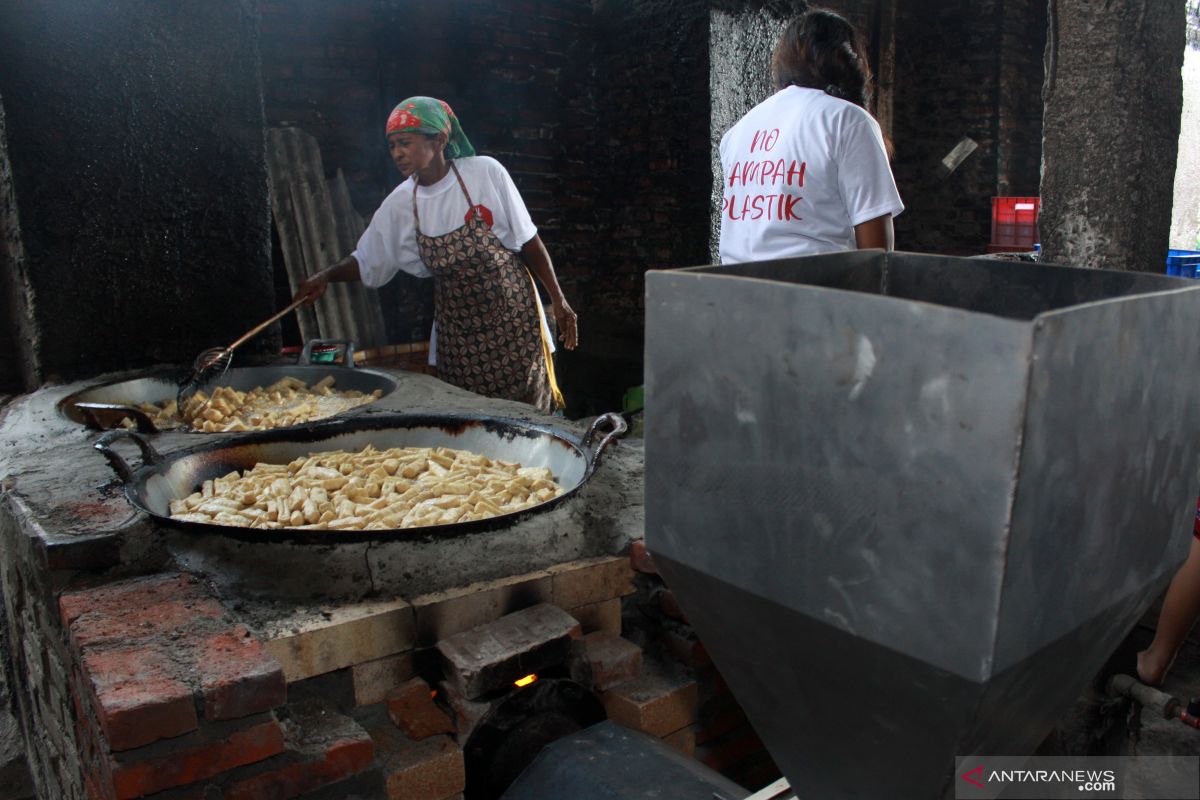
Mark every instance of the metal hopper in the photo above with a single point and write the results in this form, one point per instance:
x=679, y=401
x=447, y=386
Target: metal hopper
x=912, y=503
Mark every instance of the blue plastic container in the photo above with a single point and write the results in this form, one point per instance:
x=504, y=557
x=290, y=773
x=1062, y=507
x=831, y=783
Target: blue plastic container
x=1183, y=263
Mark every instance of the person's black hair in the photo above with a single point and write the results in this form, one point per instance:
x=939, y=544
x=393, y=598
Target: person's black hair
x=822, y=50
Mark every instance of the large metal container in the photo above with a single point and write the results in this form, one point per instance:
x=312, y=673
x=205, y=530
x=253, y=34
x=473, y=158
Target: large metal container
x=162, y=478
x=109, y=402
x=912, y=503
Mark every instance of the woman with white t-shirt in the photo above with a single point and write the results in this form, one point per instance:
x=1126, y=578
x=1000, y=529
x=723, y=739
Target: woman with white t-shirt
x=459, y=218
x=806, y=170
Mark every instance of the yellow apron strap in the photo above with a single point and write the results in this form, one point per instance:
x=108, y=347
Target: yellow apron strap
x=559, y=402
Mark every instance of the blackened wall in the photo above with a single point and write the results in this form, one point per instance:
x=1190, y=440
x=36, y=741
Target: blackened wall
x=651, y=205
x=17, y=364
x=518, y=73
x=1019, y=117
x=321, y=73
x=965, y=68
x=135, y=136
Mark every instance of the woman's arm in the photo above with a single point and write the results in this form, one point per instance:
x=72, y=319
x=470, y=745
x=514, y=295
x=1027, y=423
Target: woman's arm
x=315, y=286
x=875, y=233
x=538, y=260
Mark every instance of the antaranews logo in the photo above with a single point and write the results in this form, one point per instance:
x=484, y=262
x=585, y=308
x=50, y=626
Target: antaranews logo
x=1038, y=777
x=981, y=777
x=974, y=777
x=1086, y=780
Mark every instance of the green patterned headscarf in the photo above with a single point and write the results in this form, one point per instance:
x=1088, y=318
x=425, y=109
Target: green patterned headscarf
x=430, y=116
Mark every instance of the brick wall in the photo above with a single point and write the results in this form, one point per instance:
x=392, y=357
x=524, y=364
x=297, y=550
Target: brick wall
x=965, y=69
x=320, y=68
x=38, y=666
x=1022, y=43
x=650, y=207
x=132, y=685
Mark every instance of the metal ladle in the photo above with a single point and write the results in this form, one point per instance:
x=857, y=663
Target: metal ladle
x=213, y=362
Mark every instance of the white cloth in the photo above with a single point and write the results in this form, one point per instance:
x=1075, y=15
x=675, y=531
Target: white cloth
x=801, y=169
x=389, y=244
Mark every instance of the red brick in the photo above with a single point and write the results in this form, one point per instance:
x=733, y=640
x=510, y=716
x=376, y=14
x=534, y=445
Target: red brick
x=412, y=709
x=655, y=703
x=687, y=648
x=198, y=762
x=431, y=769
x=467, y=713
x=238, y=677
x=640, y=558
x=136, y=609
x=341, y=759
x=137, y=696
x=614, y=660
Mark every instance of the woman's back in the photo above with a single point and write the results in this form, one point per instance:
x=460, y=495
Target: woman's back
x=800, y=170
x=807, y=170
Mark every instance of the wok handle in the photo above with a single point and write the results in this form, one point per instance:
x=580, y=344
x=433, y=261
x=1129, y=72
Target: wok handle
x=306, y=355
x=617, y=429
x=120, y=465
x=92, y=412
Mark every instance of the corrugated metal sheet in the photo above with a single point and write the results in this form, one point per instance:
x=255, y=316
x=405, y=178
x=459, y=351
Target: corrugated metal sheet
x=317, y=226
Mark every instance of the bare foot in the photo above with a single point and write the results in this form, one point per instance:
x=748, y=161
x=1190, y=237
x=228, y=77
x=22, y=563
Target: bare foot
x=1151, y=668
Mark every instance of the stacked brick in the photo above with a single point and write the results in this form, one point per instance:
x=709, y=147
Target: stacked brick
x=38, y=662
x=170, y=693
x=372, y=654
x=173, y=696
x=718, y=733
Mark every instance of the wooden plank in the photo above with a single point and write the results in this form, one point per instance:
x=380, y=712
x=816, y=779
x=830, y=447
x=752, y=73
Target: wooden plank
x=365, y=303
x=313, y=235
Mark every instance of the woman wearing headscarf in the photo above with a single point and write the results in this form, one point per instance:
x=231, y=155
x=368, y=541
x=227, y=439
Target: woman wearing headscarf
x=807, y=170
x=459, y=218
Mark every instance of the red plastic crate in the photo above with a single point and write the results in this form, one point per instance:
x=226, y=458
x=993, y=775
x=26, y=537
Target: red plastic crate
x=1014, y=222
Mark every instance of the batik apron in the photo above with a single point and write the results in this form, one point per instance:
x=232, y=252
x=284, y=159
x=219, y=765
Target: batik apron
x=489, y=333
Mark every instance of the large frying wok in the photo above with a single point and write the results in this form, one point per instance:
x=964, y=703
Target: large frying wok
x=104, y=405
x=162, y=478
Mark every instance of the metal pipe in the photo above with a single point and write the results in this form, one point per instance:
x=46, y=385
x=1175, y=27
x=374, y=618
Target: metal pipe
x=1126, y=686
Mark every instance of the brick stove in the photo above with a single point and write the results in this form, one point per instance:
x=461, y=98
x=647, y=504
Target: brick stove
x=147, y=663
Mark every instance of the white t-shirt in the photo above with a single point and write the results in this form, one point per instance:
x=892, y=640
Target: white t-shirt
x=801, y=169
x=389, y=244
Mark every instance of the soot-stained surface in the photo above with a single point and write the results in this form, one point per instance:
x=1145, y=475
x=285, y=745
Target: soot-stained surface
x=135, y=136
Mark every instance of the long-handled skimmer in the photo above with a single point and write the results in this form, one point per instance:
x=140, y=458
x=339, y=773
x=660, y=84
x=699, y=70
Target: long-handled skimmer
x=212, y=363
